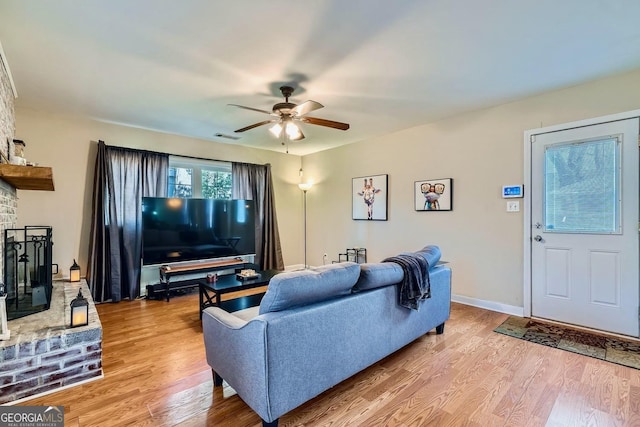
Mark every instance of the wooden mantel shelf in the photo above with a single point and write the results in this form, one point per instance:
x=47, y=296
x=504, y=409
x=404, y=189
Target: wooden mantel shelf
x=27, y=177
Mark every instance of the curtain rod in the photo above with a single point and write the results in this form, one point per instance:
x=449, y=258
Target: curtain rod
x=176, y=155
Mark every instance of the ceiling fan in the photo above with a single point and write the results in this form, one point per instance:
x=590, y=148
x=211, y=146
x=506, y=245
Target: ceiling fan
x=286, y=113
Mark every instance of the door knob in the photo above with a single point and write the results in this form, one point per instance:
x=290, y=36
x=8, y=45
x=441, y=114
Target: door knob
x=538, y=238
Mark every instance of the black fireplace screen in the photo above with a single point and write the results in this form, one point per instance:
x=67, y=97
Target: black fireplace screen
x=28, y=270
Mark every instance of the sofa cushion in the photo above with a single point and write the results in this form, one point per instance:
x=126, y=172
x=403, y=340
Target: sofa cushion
x=298, y=288
x=378, y=274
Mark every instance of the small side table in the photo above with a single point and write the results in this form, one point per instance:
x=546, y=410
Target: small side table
x=358, y=255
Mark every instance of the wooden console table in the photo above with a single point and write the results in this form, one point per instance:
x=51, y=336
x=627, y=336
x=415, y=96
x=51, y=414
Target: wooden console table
x=168, y=272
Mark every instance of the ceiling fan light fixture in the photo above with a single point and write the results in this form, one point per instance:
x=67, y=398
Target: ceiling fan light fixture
x=292, y=131
x=276, y=130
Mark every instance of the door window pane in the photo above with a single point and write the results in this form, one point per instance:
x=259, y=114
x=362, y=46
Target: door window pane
x=582, y=185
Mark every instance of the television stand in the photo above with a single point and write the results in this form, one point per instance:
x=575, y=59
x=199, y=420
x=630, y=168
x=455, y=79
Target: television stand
x=168, y=272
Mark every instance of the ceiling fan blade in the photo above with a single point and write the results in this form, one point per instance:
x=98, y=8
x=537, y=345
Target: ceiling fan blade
x=252, y=109
x=325, y=122
x=255, y=125
x=306, y=107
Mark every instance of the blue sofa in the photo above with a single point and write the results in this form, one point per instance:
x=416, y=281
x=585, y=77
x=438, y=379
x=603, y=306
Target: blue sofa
x=317, y=327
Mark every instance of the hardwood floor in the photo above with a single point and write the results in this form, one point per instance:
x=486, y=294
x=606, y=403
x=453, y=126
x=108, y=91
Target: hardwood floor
x=155, y=374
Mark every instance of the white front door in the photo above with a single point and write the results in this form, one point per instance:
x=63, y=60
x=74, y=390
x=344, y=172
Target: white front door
x=584, y=226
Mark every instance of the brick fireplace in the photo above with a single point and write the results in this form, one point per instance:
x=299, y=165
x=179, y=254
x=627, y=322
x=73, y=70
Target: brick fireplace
x=44, y=354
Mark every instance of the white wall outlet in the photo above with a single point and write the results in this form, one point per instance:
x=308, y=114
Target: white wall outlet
x=513, y=206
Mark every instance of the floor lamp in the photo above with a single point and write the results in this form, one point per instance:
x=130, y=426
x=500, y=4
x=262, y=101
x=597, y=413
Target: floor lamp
x=305, y=186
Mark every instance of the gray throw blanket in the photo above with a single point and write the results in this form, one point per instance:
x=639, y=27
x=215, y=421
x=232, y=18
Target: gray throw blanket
x=415, y=285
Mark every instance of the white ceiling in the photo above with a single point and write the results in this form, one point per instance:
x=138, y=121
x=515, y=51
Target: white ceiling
x=379, y=65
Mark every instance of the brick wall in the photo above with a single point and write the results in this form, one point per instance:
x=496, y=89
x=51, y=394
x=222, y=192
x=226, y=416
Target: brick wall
x=48, y=364
x=8, y=197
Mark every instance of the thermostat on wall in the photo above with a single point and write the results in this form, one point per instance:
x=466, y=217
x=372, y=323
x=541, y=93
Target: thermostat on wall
x=512, y=191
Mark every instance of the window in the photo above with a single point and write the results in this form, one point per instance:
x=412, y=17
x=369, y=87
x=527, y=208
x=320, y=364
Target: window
x=180, y=181
x=207, y=179
x=582, y=187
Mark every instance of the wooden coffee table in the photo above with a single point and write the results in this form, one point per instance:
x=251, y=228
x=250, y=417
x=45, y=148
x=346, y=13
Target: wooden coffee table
x=210, y=293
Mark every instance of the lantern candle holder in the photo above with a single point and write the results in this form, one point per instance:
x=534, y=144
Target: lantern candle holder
x=74, y=272
x=79, y=311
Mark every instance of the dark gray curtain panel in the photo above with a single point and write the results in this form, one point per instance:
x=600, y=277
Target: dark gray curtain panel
x=122, y=177
x=254, y=182
x=98, y=268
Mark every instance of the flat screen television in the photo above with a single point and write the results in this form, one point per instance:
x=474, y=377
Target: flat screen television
x=176, y=230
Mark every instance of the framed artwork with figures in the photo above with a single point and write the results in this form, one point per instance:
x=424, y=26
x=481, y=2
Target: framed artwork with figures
x=434, y=194
x=369, y=195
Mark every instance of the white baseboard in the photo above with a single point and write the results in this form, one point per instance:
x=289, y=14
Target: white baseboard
x=489, y=305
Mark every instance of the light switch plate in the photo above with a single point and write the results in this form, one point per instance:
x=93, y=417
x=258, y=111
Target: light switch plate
x=513, y=206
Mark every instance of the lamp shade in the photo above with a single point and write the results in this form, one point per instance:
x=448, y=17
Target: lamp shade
x=292, y=131
x=79, y=311
x=304, y=186
x=275, y=130
x=74, y=272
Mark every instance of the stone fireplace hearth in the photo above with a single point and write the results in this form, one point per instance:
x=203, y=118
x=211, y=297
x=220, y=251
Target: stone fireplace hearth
x=44, y=354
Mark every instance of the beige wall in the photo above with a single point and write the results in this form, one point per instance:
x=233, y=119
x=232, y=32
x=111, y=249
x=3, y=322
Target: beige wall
x=481, y=151
x=69, y=146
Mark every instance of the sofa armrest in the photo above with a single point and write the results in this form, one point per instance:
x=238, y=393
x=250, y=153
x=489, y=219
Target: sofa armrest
x=236, y=351
x=225, y=318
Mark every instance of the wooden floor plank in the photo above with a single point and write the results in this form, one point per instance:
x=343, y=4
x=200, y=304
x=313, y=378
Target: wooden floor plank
x=155, y=374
